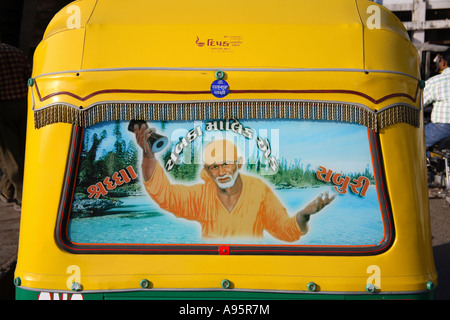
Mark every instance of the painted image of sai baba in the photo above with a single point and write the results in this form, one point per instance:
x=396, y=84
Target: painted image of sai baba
x=229, y=203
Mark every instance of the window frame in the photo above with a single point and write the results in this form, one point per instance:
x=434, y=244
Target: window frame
x=63, y=219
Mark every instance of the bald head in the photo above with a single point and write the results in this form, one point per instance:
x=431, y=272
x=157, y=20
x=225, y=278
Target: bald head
x=220, y=151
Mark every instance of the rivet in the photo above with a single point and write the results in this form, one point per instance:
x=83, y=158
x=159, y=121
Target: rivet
x=422, y=84
x=17, y=281
x=312, y=287
x=145, y=283
x=76, y=286
x=226, y=284
x=430, y=285
x=220, y=74
x=30, y=82
x=370, y=288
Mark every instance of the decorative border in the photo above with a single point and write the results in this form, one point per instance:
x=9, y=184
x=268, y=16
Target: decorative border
x=243, y=109
x=61, y=230
x=196, y=92
x=240, y=109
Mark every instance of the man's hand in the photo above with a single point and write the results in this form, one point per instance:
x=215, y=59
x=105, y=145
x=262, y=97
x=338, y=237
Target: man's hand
x=148, y=159
x=142, y=135
x=317, y=204
x=313, y=207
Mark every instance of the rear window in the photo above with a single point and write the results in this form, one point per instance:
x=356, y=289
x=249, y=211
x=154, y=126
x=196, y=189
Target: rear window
x=226, y=186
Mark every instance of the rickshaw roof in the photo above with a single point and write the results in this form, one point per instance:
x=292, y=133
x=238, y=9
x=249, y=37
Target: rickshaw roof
x=96, y=53
x=96, y=34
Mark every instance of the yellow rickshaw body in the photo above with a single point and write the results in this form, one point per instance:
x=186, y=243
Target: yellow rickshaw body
x=104, y=61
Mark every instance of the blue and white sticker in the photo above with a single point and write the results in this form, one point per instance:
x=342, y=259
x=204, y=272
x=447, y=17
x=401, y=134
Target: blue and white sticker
x=220, y=88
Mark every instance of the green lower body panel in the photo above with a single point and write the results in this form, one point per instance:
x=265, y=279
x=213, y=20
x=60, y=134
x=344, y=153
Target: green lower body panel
x=26, y=294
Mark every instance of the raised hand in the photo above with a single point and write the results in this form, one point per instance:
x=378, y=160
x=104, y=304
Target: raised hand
x=317, y=204
x=142, y=135
x=312, y=208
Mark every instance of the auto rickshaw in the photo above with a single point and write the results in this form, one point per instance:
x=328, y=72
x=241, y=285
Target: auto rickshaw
x=245, y=150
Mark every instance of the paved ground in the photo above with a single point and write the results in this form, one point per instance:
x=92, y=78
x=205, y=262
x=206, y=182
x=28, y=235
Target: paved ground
x=440, y=227
x=9, y=238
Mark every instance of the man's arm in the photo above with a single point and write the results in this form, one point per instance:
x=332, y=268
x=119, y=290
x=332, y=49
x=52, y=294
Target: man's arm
x=313, y=207
x=148, y=159
x=180, y=200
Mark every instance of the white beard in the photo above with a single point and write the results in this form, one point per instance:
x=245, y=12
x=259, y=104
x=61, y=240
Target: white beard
x=229, y=184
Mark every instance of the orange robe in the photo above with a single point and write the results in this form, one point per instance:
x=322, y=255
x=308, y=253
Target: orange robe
x=257, y=208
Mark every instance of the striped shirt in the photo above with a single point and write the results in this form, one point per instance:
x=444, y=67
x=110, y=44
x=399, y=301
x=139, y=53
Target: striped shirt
x=437, y=91
x=14, y=73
